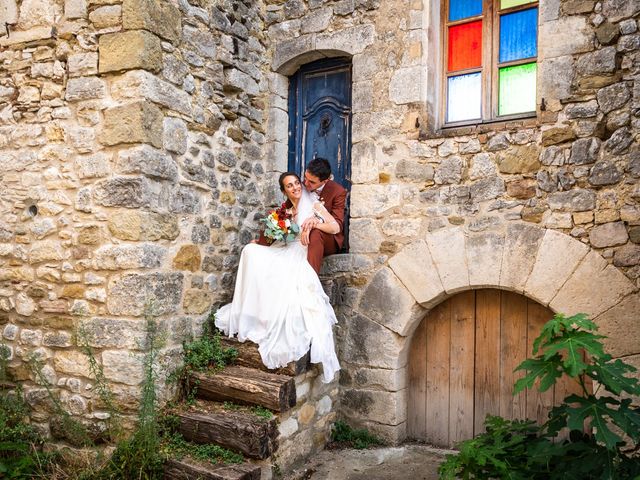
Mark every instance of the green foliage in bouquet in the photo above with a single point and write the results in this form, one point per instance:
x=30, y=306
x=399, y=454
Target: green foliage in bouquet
x=279, y=225
x=517, y=449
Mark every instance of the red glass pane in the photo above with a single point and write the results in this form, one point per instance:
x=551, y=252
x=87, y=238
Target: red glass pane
x=465, y=46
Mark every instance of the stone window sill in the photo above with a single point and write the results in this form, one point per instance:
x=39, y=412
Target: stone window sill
x=514, y=122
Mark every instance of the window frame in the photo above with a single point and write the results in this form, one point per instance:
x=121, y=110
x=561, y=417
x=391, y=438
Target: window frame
x=490, y=64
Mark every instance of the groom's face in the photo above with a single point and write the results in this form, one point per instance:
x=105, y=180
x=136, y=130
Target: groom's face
x=312, y=183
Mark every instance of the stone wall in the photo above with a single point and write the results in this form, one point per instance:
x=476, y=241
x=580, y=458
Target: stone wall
x=131, y=137
x=476, y=195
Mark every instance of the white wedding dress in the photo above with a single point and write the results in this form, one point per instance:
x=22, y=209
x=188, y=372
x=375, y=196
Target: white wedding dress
x=279, y=304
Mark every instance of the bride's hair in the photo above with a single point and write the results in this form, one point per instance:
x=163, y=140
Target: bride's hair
x=285, y=175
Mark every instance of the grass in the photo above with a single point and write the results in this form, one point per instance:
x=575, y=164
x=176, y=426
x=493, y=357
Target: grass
x=344, y=436
x=176, y=446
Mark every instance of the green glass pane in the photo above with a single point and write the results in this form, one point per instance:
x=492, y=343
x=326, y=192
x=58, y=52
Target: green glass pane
x=517, y=89
x=513, y=3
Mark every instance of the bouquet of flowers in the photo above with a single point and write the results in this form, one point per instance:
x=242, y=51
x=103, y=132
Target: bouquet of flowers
x=279, y=225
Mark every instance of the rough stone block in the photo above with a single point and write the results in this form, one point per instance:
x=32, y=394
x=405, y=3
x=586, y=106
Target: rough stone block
x=375, y=378
x=565, y=36
x=138, y=122
x=71, y=363
x=136, y=49
x=594, y=287
x=484, y=258
x=93, y=166
x=102, y=332
x=75, y=9
x=364, y=236
x=386, y=301
x=144, y=85
x=549, y=274
x=405, y=84
x=82, y=64
x=106, y=16
x=85, y=88
x=608, y=235
x=401, y=226
x=130, y=294
x=373, y=200
x=598, y=62
x=414, y=267
x=447, y=249
x=388, y=408
x=122, y=257
x=148, y=161
x=576, y=200
x=620, y=324
x=317, y=21
x=123, y=366
x=364, y=166
x=176, y=135
x=369, y=344
x=238, y=81
x=158, y=16
x=129, y=192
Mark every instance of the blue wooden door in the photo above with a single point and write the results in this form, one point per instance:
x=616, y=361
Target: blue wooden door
x=320, y=119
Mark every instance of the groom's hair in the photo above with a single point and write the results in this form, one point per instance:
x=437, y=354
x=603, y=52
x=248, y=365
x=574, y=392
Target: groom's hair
x=319, y=167
x=285, y=175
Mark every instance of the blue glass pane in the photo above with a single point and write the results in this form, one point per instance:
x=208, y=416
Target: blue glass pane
x=464, y=97
x=464, y=9
x=519, y=35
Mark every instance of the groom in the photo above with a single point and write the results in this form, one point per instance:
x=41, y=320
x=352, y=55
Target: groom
x=333, y=196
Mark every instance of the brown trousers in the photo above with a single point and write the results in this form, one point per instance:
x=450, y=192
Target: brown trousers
x=320, y=245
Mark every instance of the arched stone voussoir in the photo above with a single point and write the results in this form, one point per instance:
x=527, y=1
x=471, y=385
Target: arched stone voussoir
x=593, y=288
x=520, y=249
x=414, y=267
x=448, y=251
x=557, y=259
x=289, y=55
x=484, y=259
x=387, y=302
x=621, y=326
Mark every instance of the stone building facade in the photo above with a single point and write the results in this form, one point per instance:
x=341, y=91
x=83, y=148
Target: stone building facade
x=140, y=139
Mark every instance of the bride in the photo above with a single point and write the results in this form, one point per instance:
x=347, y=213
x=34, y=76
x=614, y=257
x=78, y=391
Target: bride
x=278, y=301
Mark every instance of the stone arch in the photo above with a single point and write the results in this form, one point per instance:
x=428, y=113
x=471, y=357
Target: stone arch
x=547, y=266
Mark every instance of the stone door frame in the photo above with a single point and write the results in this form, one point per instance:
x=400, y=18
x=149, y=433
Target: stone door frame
x=547, y=266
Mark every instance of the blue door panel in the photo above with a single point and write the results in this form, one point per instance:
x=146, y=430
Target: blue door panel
x=320, y=120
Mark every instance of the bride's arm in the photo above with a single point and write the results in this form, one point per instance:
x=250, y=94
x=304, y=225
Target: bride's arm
x=329, y=224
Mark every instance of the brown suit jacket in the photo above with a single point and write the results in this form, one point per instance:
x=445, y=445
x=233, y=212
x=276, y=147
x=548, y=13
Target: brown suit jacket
x=333, y=197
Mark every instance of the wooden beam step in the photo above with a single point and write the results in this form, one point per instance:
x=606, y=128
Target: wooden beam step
x=247, y=386
x=187, y=469
x=249, y=356
x=234, y=428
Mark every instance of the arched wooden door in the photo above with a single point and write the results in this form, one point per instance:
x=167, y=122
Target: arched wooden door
x=461, y=366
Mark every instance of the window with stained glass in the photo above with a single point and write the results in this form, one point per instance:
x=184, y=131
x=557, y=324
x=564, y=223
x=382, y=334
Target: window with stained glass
x=490, y=60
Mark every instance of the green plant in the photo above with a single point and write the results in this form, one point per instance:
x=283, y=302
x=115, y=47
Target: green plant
x=101, y=386
x=262, y=412
x=523, y=450
x=21, y=454
x=345, y=435
x=139, y=456
x=176, y=445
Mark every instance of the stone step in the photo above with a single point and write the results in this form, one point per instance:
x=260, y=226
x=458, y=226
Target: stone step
x=246, y=386
x=187, y=469
x=248, y=356
x=234, y=428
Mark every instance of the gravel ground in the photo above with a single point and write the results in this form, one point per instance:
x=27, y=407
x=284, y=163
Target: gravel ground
x=408, y=462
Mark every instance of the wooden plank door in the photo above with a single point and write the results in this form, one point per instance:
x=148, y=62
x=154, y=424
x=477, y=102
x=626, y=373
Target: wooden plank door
x=461, y=366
